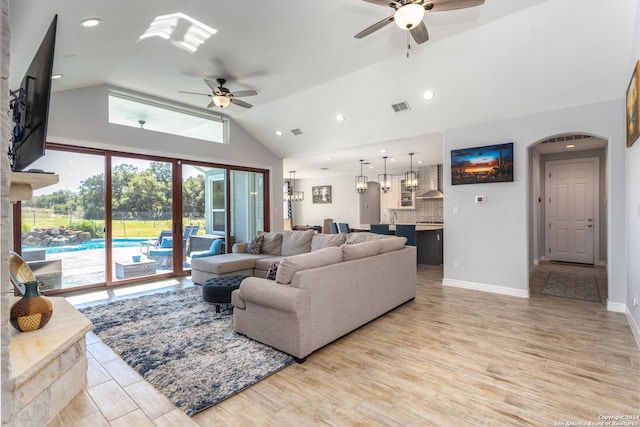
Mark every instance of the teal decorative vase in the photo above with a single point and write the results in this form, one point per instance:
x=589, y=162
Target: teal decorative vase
x=32, y=311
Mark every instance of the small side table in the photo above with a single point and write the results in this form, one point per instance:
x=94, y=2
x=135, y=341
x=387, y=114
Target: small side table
x=130, y=269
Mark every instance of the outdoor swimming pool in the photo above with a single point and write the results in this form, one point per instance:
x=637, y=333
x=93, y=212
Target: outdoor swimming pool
x=92, y=244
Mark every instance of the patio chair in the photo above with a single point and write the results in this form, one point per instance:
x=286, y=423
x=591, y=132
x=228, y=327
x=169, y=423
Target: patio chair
x=156, y=243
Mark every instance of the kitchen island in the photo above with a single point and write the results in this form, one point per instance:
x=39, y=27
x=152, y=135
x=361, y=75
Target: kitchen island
x=429, y=239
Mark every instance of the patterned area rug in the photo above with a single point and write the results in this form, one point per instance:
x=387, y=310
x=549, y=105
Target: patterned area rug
x=178, y=343
x=572, y=285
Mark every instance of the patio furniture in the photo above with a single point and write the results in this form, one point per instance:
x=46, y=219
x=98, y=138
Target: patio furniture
x=214, y=249
x=129, y=269
x=155, y=243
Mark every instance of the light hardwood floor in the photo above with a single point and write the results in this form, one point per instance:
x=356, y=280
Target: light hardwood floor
x=452, y=357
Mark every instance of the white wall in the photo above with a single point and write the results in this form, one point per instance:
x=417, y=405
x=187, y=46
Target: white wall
x=491, y=241
x=344, y=206
x=80, y=117
x=632, y=207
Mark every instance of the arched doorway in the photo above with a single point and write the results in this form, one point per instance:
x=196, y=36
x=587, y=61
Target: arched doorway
x=568, y=210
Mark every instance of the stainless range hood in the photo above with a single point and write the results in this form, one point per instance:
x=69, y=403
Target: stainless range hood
x=431, y=194
x=434, y=193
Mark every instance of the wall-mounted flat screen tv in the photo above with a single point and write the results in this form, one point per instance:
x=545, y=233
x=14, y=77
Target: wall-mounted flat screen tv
x=479, y=165
x=30, y=105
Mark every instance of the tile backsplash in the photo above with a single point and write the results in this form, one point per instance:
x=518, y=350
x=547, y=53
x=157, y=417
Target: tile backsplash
x=426, y=210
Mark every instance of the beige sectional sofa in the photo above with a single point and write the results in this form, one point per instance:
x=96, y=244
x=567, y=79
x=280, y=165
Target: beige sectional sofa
x=326, y=285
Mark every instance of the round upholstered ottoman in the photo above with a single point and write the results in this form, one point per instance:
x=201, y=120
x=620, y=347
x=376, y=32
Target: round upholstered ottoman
x=218, y=289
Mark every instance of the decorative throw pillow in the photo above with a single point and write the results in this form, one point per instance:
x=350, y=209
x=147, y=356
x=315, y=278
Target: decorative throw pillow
x=273, y=270
x=255, y=245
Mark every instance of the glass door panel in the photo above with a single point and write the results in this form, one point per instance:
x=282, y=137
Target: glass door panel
x=63, y=224
x=247, y=204
x=142, y=218
x=203, y=208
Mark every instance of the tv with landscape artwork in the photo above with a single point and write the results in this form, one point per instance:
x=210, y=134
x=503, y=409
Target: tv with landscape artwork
x=478, y=165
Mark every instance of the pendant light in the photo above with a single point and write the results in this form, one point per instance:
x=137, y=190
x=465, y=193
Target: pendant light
x=411, y=178
x=293, y=195
x=384, y=179
x=361, y=181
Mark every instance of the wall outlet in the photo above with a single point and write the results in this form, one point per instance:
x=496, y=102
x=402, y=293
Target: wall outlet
x=481, y=199
x=635, y=300
x=456, y=210
x=456, y=263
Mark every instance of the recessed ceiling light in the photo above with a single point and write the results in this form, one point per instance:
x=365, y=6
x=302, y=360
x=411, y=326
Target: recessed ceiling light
x=328, y=159
x=383, y=151
x=392, y=159
x=419, y=161
x=56, y=76
x=571, y=146
x=91, y=22
x=279, y=132
x=340, y=118
x=428, y=95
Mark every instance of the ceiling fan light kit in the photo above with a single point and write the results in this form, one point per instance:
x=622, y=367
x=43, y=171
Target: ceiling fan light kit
x=221, y=101
x=409, y=16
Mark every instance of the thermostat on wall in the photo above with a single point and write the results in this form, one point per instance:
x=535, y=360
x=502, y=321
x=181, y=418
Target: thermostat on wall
x=481, y=199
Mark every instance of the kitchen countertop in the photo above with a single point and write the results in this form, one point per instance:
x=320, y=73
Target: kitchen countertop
x=392, y=227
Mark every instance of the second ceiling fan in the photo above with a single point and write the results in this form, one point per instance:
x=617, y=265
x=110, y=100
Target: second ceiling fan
x=409, y=15
x=222, y=96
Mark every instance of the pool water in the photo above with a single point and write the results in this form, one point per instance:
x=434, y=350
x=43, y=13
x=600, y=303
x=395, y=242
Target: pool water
x=92, y=244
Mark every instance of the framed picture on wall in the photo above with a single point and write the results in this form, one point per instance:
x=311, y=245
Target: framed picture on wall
x=479, y=165
x=321, y=194
x=633, y=119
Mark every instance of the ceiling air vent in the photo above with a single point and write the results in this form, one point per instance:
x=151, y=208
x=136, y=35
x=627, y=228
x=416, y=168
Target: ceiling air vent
x=400, y=107
x=297, y=131
x=564, y=138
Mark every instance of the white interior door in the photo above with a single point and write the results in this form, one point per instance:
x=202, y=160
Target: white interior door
x=571, y=215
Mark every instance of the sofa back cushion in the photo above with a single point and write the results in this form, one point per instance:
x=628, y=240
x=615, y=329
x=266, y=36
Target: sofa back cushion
x=354, y=238
x=360, y=250
x=392, y=244
x=290, y=265
x=320, y=241
x=296, y=242
x=272, y=243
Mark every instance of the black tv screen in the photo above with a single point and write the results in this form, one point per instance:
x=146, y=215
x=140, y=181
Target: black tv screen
x=31, y=105
x=491, y=163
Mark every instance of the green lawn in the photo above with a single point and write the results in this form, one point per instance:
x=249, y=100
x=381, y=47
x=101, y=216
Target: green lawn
x=44, y=218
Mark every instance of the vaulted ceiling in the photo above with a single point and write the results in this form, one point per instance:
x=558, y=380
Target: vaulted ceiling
x=506, y=58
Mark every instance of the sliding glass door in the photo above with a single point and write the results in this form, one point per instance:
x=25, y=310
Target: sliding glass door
x=62, y=226
x=114, y=218
x=142, y=223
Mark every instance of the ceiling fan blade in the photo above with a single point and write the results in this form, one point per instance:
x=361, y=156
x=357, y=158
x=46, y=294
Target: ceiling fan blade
x=249, y=92
x=384, y=3
x=213, y=87
x=374, y=27
x=194, y=93
x=211, y=105
x=241, y=103
x=444, y=5
x=420, y=33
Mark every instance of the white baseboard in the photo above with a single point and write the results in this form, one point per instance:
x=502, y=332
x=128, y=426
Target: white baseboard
x=634, y=327
x=618, y=307
x=522, y=293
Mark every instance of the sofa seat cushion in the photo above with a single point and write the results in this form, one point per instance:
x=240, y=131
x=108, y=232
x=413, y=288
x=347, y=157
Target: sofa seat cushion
x=265, y=263
x=226, y=263
x=296, y=242
x=290, y=265
x=320, y=241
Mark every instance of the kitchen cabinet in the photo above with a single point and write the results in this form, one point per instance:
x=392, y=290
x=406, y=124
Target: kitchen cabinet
x=399, y=197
